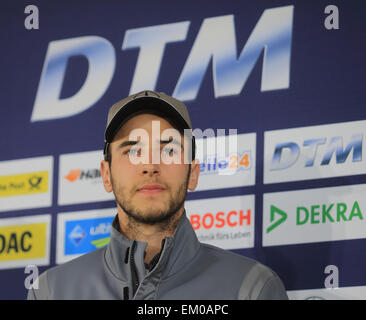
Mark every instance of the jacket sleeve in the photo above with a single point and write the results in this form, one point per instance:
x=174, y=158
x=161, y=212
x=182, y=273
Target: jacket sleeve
x=261, y=283
x=39, y=291
x=273, y=289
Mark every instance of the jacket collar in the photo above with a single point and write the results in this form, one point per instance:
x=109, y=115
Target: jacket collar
x=177, y=251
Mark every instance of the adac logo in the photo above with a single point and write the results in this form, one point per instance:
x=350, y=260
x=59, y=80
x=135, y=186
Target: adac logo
x=78, y=174
x=18, y=242
x=234, y=163
x=24, y=183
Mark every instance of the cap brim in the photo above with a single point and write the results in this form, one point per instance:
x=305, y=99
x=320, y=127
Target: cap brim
x=135, y=106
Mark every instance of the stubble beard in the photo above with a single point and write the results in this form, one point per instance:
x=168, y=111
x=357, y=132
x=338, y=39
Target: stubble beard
x=165, y=219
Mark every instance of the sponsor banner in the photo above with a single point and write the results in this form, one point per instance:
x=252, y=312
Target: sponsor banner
x=342, y=293
x=315, y=152
x=82, y=232
x=224, y=222
x=25, y=240
x=80, y=178
x=315, y=215
x=226, y=161
x=26, y=183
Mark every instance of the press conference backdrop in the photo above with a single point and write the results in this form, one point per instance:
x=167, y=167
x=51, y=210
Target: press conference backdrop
x=288, y=75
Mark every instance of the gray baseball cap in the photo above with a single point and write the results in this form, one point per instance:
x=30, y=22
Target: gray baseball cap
x=124, y=109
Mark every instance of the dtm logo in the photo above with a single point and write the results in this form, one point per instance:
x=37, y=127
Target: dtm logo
x=215, y=41
x=334, y=146
x=83, y=236
x=315, y=152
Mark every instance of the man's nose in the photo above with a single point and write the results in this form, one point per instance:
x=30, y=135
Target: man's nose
x=152, y=167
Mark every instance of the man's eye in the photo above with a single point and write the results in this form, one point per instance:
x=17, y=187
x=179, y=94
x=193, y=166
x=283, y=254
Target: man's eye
x=169, y=151
x=132, y=151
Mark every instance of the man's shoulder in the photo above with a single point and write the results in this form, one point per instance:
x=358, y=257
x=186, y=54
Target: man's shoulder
x=76, y=267
x=232, y=259
x=58, y=279
x=257, y=281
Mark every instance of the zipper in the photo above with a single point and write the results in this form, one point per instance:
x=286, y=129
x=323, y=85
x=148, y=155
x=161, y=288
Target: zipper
x=161, y=253
x=133, y=267
x=125, y=293
x=134, y=275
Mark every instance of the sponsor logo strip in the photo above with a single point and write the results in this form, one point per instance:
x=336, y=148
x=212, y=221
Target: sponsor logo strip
x=341, y=293
x=81, y=232
x=224, y=222
x=80, y=178
x=315, y=152
x=26, y=183
x=226, y=162
x=315, y=215
x=24, y=241
x=86, y=235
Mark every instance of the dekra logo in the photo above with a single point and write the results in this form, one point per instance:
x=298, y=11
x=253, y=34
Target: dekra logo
x=316, y=214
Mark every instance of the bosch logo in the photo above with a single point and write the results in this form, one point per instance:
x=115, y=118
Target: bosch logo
x=221, y=219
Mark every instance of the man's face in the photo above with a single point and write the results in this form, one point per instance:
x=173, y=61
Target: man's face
x=148, y=192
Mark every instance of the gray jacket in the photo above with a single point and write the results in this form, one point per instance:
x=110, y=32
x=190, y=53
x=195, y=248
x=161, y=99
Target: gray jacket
x=186, y=270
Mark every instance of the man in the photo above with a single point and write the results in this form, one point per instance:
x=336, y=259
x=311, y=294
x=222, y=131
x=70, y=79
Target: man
x=154, y=252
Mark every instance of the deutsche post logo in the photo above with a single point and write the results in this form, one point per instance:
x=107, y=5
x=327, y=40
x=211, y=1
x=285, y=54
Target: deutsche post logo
x=24, y=183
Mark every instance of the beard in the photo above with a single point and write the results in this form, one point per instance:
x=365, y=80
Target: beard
x=164, y=216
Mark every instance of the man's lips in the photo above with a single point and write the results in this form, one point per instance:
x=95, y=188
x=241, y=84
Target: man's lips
x=151, y=188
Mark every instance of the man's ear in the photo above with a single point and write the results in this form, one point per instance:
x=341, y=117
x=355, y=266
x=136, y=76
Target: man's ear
x=106, y=175
x=195, y=172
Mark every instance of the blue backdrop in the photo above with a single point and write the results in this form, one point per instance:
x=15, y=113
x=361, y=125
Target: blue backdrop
x=324, y=85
